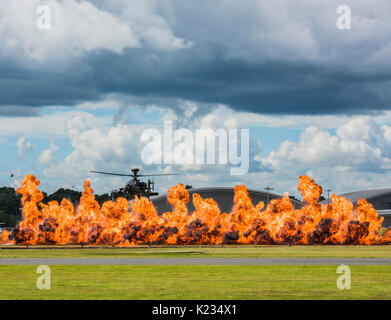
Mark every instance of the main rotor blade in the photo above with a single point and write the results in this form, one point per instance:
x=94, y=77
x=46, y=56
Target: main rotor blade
x=113, y=174
x=157, y=175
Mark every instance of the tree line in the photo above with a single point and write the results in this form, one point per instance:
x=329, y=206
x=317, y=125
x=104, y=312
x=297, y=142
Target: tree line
x=10, y=203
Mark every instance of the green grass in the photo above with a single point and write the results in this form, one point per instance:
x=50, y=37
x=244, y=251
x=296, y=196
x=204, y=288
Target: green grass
x=195, y=282
x=205, y=252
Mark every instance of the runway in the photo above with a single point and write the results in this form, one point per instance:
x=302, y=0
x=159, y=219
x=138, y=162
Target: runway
x=197, y=261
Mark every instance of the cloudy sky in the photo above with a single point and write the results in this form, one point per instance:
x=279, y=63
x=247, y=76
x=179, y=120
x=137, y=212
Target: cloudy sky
x=316, y=99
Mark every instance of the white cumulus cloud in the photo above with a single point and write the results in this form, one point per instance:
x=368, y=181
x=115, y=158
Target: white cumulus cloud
x=24, y=147
x=357, y=156
x=77, y=27
x=46, y=158
x=80, y=27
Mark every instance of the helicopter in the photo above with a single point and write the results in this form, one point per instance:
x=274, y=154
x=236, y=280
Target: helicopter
x=135, y=187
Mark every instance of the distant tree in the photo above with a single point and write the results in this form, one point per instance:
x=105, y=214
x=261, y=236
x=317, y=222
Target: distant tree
x=9, y=206
x=71, y=195
x=101, y=198
x=7, y=220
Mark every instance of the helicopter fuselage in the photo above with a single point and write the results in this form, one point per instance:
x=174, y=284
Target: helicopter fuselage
x=134, y=187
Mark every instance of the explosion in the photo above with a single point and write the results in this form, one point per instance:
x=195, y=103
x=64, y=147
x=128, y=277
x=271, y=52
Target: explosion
x=118, y=224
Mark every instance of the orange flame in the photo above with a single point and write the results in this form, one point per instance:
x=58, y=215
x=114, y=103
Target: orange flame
x=115, y=223
x=4, y=237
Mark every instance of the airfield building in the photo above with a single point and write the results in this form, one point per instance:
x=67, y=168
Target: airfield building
x=380, y=199
x=222, y=195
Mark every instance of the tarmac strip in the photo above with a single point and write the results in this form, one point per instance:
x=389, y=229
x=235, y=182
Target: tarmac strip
x=197, y=261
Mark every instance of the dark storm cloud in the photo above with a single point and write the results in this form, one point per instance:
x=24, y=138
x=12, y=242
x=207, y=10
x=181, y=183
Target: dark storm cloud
x=19, y=111
x=222, y=67
x=33, y=88
x=272, y=87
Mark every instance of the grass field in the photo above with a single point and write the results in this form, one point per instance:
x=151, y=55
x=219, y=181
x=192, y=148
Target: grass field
x=195, y=282
x=203, y=252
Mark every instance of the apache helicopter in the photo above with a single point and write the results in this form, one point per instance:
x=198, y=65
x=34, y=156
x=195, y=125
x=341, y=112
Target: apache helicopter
x=135, y=187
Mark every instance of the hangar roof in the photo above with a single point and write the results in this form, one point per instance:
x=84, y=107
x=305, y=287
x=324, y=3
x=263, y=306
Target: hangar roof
x=222, y=195
x=366, y=194
x=369, y=195
x=384, y=212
